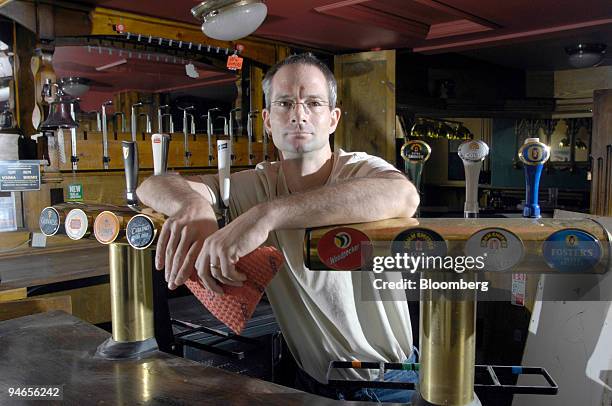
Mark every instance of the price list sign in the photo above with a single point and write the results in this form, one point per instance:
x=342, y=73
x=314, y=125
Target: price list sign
x=19, y=176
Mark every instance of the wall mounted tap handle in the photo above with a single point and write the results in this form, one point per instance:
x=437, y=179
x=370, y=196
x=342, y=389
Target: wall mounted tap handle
x=130, y=160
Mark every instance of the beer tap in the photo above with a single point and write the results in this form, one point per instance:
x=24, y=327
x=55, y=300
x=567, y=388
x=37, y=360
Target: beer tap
x=205, y=117
x=171, y=122
x=130, y=161
x=265, y=141
x=160, y=144
x=224, y=163
x=147, y=121
x=186, y=134
x=252, y=114
x=534, y=155
x=105, y=157
x=123, y=123
x=233, y=137
x=209, y=133
x=160, y=118
x=225, y=129
x=98, y=121
x=415, y=154
x=142, y=229
x=74, y=158
x=134, y=119
x=192, y=128
x=472, y=153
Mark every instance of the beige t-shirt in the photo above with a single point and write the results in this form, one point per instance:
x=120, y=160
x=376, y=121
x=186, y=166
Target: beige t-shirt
x=320, y=313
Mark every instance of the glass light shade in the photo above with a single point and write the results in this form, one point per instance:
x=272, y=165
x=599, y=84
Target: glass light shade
x=585, y=59
x=585, y=55
x=75, y=87
x=234, y=22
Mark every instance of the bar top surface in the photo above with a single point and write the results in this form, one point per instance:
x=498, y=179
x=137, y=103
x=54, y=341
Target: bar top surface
x=55, y=348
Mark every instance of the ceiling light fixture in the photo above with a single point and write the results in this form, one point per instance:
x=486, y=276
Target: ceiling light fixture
x=585, y=55
x=229, y=20
x=74, y=86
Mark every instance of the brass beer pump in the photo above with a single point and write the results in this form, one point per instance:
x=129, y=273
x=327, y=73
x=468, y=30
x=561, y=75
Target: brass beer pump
x=130, y=279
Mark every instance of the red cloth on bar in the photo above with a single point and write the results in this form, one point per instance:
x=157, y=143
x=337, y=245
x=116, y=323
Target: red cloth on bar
x=237, y=305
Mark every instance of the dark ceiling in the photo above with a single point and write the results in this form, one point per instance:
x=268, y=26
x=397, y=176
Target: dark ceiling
x=519, y=33
x=523, y=34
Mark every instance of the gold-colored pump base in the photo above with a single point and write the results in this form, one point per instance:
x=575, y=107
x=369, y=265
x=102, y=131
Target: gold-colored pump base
x=131, y=304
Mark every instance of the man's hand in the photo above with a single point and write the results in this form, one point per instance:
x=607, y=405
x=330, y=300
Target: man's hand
x=222, y=250
x=181, y=239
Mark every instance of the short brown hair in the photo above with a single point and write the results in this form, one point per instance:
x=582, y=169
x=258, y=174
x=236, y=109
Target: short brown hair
x=302, y=59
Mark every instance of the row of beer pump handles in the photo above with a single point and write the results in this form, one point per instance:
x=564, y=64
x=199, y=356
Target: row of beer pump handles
x=533, y=154
x=62, y=115
x=160, y=145
x=189, y=129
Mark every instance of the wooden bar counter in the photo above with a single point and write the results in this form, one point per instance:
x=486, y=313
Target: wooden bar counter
x=55, y=348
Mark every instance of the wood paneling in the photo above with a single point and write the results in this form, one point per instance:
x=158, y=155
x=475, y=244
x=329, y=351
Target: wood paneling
x=366, y=95
x=91, y=303
x=257, y=102
x=13, y=294
x=25, y=307
x=78, y=262
x=579, y=83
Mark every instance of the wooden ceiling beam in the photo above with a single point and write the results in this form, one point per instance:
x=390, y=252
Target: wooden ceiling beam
x=366, y=15
x=507, y=37
x=438, y=5
x=104, y=22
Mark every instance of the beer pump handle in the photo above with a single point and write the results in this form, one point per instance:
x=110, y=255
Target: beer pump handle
x=472, y=153
x=130, y=160
x=160, y=144
x=74, y=157
x=105, y=157
x=534, y=155
x=186, y=134
x=224, y=166
x=209, y=133
x=252, y=114
x=415, y=153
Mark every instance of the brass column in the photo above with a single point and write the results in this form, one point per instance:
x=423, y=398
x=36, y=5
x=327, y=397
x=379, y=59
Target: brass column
x=448, y=343
x=131, y=283
x=131, y=293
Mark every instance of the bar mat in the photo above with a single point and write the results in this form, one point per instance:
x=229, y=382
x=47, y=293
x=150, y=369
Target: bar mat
x=237, y=305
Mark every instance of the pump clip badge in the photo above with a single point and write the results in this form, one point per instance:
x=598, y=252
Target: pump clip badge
x=534, y=153
x=475, y=150
x=501, y=248
x=416, y=241
x=340, y=249
x=571, y=250
x=416, y=151
x=49, y=221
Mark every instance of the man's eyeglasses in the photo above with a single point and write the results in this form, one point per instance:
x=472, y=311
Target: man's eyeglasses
x=311, y=106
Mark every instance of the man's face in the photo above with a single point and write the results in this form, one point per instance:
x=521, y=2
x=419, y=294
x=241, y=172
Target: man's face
x=303, y=128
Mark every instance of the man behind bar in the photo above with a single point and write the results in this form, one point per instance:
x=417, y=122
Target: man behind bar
x=320, y=314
